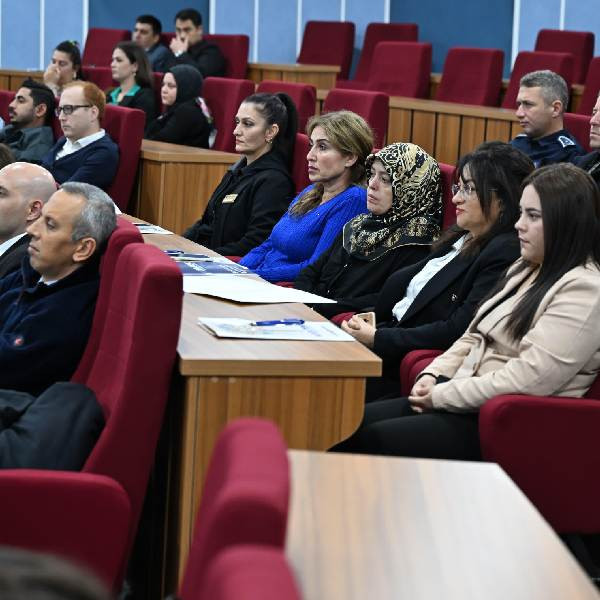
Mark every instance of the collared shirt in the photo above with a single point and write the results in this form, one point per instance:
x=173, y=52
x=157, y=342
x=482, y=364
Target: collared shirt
x=8, y=244
x=554, y=148
x=114, y=95
x=71, y=147
x=422, y=278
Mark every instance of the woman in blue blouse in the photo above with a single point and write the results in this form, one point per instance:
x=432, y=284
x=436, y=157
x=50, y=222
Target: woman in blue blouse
x=339, y=145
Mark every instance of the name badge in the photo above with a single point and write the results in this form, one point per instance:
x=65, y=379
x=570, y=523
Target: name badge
x=229, y=198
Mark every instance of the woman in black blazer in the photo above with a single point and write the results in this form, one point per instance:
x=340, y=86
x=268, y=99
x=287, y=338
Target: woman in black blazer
x=430, y=304
x=131, y=70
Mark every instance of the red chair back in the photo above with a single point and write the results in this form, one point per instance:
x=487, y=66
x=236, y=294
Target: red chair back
x=579, y=126
x=131, y=373
x=224, y=97
x=300, y=165
x=166, y=37
x=101, y=76
x=6, y=98
x=527, y=62
x=594, y=391
x=245, y=496
x=99, y=45
x=126, y=127
x=401, y=69
x=328, y=43
x=373, y=107
x=591, y=88
x=303, y=95
x=472, y=76
x=235, y=51
x=579, y=43
x=449, y=211
x=157, y=79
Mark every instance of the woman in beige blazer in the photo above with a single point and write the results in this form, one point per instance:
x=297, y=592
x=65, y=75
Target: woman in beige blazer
x=538, y=333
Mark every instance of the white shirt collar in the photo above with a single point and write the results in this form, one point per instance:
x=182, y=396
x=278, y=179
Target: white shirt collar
x=8, y=244
x=70, y=147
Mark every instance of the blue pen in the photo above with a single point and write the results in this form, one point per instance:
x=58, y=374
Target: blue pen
x=278, y=322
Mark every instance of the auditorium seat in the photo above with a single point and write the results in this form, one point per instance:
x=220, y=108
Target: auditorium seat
x=328, y=43
x=101, y=76
x=559, y=62
x=235, y=51
x=224, y=97
x=303, y=95
x=126, y=127
x=579, y=126
x=300, y=165
x=472, y=76
x=591, y=88
x=248, y=573
x=244, y=499
x=579, y=43
x=375, y=33
x=448, y=209
x=372, y=106
x=99, y=45
x=6, y=97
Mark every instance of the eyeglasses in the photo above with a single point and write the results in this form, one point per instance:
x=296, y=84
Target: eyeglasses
x=464, y=191
x=69, y=108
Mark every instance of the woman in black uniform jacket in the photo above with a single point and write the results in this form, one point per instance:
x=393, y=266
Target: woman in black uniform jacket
x=404, y=199
x=431, y=303
x=257, y=190
x=186, y=119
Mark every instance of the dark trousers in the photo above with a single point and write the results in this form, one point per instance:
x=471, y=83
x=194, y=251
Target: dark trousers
x=391, y=427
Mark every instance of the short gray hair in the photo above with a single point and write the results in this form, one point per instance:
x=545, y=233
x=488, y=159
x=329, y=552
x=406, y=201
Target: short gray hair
x=553, y=86
x=97, y=219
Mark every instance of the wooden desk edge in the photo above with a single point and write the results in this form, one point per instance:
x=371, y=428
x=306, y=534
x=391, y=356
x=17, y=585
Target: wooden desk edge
x=298, y=67
x=164, y=152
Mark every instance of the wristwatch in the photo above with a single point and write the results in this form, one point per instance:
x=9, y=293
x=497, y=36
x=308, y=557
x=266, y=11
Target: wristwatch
x=178, y=53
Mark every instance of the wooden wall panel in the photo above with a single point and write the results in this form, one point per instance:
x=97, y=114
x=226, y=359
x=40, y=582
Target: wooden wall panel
x=471, y=135
x=447, y=138
x=423, y=130
x=400, y=125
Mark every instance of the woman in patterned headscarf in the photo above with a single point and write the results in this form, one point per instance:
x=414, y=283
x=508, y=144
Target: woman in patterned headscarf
x=404, y=200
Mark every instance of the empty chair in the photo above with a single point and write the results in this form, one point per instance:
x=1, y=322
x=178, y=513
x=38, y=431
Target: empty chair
x=235, y=51
x=526, y=62
x=101, y=76
x=328, y=43
x=99, y=45
x=224, y=97
x=300, y=166
x=245, y=496
x=303, y=95
x=579, y=43
x=579, y=126
x=448, y=210
x=375, y=33
x=6, y=97
x=591, y=88
x=373, y=107
x=472, y=76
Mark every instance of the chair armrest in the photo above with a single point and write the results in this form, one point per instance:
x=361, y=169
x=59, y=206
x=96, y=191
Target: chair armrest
x=345, y=316
x=235, y=259
x=412, y=364
x=549, y=447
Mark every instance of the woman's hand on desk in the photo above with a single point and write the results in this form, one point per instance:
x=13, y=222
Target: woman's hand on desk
x=420, y=396
x=360, y=330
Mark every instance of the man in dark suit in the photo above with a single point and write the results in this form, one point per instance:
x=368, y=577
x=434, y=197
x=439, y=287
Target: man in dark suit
x=24, y=189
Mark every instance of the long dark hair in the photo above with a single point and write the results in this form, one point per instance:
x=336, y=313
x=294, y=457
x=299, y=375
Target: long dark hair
x=136, y=54
x=570, y=203
x=497, y=170
x=278, y=109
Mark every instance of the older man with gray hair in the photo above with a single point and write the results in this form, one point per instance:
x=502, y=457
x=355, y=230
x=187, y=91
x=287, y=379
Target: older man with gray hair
x=46, y=308
x=542, y=99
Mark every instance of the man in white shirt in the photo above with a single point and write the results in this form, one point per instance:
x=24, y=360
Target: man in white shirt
x=86, y=153
x=24, y=189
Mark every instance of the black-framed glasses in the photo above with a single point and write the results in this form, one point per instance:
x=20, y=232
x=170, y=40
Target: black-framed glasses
x=68, y=109
x=464, y=191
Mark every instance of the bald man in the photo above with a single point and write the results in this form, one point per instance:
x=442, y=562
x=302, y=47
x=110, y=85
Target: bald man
x=24, y=189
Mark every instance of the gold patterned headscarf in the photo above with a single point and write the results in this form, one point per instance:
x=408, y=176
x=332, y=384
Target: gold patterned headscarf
x=416, y=211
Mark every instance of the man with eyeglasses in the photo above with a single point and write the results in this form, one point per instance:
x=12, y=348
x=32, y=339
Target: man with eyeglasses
x=86, y=153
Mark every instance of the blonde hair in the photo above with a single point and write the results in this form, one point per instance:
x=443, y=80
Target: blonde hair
x=349, y=133
x=92, y=94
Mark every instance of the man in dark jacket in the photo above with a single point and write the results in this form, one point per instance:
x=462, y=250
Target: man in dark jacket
x=189, y=48
x=46, y=309
x=591, y=162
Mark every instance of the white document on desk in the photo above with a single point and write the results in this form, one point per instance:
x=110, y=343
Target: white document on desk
x=145, y=228
x=240, y=288
x=318, y=331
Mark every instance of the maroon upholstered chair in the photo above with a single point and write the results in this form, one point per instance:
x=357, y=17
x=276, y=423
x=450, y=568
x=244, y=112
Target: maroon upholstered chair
x=245, y=497
x=591, y=88
x=300, y=165
x=101, y=76
x=80, y=517
x=235, y=51
x=579, y=43
x=304, y=96
x=328, y=43
x=401, y=69
x=248, y=573
x=224, y=97
x=449, y=210
x=472, y=76
x=373, y=107
x=559, y=62
x=99, y=45
x=166, y=37
x=126, y=127
x=6, y=97
x=579, y=126
x=375, y=33
x=132, y=369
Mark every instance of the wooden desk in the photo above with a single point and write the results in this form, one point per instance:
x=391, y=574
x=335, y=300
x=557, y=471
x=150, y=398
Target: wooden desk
x=394, y=528
x=321, y=76
x=176, y=182
x=11, y=79
x=314, y=391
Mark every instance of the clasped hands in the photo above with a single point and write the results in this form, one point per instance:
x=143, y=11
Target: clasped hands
x=420, y=396
x=360, y=330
